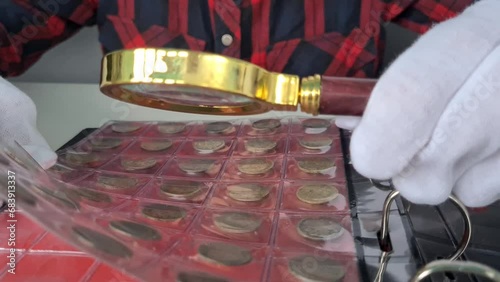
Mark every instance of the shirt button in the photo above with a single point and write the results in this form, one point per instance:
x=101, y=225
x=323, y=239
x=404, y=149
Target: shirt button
x=227, y=39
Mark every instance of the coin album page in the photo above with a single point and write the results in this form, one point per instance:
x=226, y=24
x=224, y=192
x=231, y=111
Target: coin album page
x=238, y=200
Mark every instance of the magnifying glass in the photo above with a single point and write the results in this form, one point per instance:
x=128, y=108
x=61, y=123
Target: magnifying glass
x=205, y=83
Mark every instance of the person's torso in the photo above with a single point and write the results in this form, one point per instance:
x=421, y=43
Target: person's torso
x=303, y=37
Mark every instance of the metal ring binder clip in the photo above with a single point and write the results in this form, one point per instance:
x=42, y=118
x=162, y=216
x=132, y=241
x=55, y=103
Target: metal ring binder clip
x=465, y=267
x=382, y=184
x=384, y=233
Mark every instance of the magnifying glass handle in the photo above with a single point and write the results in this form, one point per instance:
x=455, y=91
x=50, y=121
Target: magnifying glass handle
x=344, y=96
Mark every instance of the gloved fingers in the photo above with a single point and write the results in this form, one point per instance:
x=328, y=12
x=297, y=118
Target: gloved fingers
x=347, y=122
x=408, y=100
x=480, y=185
x=43, y=155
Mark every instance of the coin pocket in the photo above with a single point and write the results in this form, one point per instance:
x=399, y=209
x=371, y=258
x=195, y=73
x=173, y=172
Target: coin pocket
x=137, y=164
x=318, y=144
x=314, y=196
x=99, y=143
x=123, y=128
x=181, y=191
x=265, y=127
x=315, y=168
x=255, y=168
x=193, y=168
x=206, y=147
x=260, y=146
x=314, y=126
x=169, y=129
x=67, y=174
x=245, y=195
x=154, y=146
x=216, y=129
x=114, y=183
x=91, y=160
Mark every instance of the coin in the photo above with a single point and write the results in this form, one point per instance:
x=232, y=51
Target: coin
x=198, y=277
x=76, y=158
x=101, y=242
x=171, y=127
x=117, y=183
x=162, y=212
x=317, y=193
x=125, y=128
x=237, y=222
x=105, y=144
x=316, y=123
x=314, y=269
x=131, y=165
x=59, y=198
x=181, y=189
x=225, y=254
x=155, y=146
x=319, y=228
x=208, y=146
x=93, y=196
x=255, y=166
x=260, y=145
x=196, y=165
x=247, y=192
x=315, y=142
x=266, y=124
x=136, y=230
x=316, y=165
x=219, y=127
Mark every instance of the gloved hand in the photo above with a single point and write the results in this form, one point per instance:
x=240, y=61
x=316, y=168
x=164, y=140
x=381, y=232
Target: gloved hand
x=18, y=123
x=432, y=124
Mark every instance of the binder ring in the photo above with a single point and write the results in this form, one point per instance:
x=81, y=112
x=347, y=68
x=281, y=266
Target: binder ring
x=465, y=267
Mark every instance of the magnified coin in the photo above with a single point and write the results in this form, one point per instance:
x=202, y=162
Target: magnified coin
x=105, y=143
x=76, y=158
x=136, y=230
x=198, y=277
x=131, y=165
x=225, y=254
x=208, y=146
x=101, y=242
x=255, y=166
x=247, y=192
x=219, y=127
x=92, y=196
x=117, y=183
x=260, y=145
x=315, y=142
x=125, y=128
x=237, y=222
x=266, y=124
x=319, y=228
x=316, y=123
x=155, y=146
x=196, y=165
x=162, y=212
x=171, y=127
x=316, y=165
x=181, y=189
x=314, y=269
x=317, y=193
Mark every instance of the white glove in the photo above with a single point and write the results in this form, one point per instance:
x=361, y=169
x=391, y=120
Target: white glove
x=432, y=123
x=18, y=123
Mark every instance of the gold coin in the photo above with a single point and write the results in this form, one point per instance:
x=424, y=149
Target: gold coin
x=125, y=128
x=131, y=165
x=155, y=146
x=136, y=230
x=315, y=142
x=92, y=196
x=196, y=165
x=316, y=123
x=101, y=242
x=208, y=146
x=260, y=145
x=266, y=124
x=198, y=277
x=77, y=158
x=162, y=212
x=247, y=192
x=255, y=166
x=181, y=189
x=105, y=144
x=319, y=228
x=117, y=183
x=314, y=269
x=317, y=193
x=237, y=222
x=316, y=165
x=219, y=127
x=171, y=127
x=225, y=254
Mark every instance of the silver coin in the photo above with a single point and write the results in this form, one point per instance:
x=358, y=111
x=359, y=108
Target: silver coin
x=171, y=127
x=260, y=145
x=198, y=277
x=315, y=142
x=314, y=269
x=316, y=123
x=113, y=183
x=247, y=192
x=101, y=242
x=237, y=222
x=316, y=164
x=266, y=124
x=136, y=230
x=319, y=228
x=125, y=128
x=131, y=165
x=156, y=146
x=162, y=212
x=105, y=144
x=317, y=193
x=225, y=254
x=208, y=146
x=219, y=127
x=196, y=165
x=255, y=166
x=181, y=189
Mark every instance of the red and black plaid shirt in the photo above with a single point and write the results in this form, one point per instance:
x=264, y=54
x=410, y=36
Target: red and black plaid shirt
x=303, y=37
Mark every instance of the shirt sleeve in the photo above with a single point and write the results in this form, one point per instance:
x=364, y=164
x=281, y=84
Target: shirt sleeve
x=29, y=28
x=420, y=15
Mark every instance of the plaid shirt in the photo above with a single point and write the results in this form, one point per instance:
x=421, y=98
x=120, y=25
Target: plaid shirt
x=302, y=37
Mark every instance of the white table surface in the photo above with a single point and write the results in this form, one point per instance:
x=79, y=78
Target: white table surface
x=66, y=109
